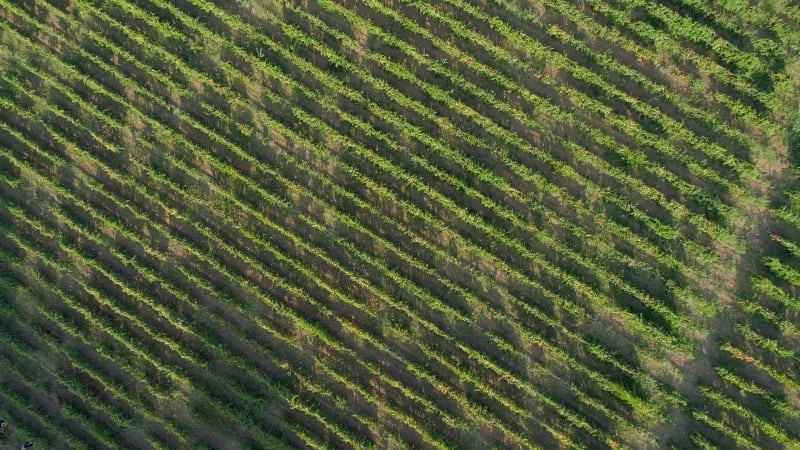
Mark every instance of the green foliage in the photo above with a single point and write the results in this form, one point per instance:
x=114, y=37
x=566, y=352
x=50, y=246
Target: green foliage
x=410, y=225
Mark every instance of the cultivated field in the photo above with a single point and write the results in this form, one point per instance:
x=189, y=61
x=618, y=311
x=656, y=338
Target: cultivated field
x=400, y=224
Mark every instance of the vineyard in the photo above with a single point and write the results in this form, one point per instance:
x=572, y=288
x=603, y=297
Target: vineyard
x=461, y=224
